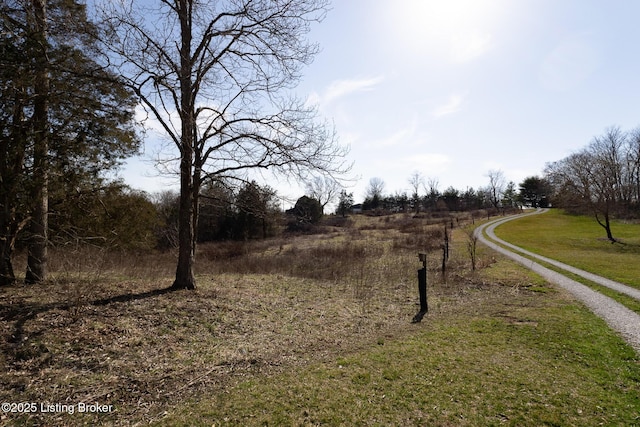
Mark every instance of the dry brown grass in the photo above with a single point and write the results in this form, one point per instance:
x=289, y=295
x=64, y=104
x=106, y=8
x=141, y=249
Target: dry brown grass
x=105, y=330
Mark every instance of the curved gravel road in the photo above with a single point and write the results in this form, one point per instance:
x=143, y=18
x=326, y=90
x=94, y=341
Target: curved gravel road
x=617, y=316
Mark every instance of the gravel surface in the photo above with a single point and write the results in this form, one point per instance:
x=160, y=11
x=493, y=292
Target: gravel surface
x=617, y=316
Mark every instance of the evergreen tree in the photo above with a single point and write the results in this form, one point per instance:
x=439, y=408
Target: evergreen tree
x=534, y=192
x=67, y=119
x=307, y=210
x=345, y=203
x=255, y=211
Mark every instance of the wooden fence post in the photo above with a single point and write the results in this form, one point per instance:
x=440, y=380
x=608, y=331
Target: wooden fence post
x=422, y=289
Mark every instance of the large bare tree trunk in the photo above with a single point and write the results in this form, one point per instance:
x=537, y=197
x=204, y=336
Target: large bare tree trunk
x=185, y=278
x=38, y=229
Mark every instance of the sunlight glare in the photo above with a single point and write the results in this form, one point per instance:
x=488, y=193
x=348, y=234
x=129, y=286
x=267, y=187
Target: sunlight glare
x=459, y=29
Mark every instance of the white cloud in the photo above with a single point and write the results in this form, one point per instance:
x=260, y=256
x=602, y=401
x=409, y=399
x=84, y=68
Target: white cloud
x=453, y=105
x=341, y=88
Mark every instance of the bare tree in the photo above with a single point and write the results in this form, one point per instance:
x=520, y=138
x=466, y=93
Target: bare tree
x=416, y=180
x=595, y=179
x=432, y=185
x=633, y=163
x=496, y=187
x=472, y=247
x=432, y=192
x=375, y=188
x=216, y=75
x=324, y=189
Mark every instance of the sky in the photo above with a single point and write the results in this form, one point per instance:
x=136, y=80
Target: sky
x=454, y=89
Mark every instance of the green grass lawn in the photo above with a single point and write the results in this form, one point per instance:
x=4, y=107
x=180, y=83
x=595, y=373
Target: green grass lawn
x=579, y=241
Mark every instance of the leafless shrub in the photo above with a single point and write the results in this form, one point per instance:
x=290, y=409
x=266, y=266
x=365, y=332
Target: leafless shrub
x=472, y=244
x=424, y=239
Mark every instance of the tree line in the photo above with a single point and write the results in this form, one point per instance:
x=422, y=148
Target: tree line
x=498, y=194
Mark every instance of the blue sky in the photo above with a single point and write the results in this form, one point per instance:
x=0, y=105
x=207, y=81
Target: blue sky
x=452, y=89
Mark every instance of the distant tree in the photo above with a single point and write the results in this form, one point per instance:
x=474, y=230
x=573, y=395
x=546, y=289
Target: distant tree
x=416, y=180
x=451, y=198
x=307, y=210
x=534, y=191
x=510, y=195
x=633, y=166
x=432, y=193
x=496, y=187
x=323, y=189
x=401, y=201
x=345, y=203
x=217, y=77
x=471, y=200
x=217, y=213
x=375, y=188
x=255, y=207
x=484, y=197
x=166, y=203
x=593, y=179
x=373, y=194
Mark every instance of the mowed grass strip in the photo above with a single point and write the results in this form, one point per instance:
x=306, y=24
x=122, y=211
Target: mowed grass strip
x=579, y=241
x=515, y=356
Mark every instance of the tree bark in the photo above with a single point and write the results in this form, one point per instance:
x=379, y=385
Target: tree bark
x=185, y=278
x=38, y=228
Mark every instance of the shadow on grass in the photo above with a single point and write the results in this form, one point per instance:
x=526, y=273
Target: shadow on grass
x=22, y=313
x=133, y=297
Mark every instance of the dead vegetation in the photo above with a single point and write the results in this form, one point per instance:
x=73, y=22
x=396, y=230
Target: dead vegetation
x=106, y=330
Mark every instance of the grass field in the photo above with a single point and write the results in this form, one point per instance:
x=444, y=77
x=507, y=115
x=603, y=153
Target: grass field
x=579, y=241
x=313, y=330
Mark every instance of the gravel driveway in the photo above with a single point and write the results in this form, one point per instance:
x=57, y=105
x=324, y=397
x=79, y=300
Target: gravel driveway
x=617, y=316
